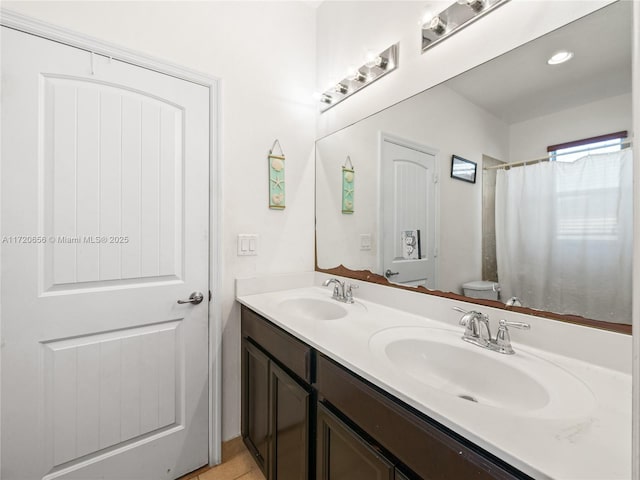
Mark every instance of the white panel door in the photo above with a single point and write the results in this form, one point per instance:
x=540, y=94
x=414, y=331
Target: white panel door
x=408, y=204
x=105, y=190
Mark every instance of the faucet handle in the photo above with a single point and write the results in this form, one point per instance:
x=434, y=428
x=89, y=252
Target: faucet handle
x=520, y=325
x=503, y=339
x=348, y=293
x=461, y=310
x=468, y=316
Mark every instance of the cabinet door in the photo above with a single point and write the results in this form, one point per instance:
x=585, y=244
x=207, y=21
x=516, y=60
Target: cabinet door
x=255, y=403
x=290, y=404
x=343, y=455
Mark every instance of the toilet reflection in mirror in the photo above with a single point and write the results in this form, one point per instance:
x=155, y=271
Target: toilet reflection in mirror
x=546, y=232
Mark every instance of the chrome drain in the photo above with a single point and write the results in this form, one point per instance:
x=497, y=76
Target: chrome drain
x=468, y=397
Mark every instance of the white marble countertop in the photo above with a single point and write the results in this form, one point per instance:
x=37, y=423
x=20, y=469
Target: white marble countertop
x=592, y=442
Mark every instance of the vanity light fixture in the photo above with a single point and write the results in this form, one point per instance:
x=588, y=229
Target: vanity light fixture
x=454, y=18
x=560, y=57
x=376, y=66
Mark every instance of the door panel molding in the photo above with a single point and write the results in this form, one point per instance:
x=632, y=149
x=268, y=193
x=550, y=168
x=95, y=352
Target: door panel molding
x=116, y=134
x=141, y=367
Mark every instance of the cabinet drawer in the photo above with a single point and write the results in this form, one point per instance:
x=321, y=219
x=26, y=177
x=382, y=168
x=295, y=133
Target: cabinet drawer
x=286, y=349
x=422, y=446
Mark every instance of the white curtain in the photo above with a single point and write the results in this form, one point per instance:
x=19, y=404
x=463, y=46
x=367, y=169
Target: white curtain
x=564, y=235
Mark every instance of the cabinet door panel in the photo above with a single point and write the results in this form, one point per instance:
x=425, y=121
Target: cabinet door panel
x=343, y=455
x=289, y=427
x=255, y=402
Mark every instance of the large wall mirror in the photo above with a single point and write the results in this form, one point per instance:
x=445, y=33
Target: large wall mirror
x=553, y=236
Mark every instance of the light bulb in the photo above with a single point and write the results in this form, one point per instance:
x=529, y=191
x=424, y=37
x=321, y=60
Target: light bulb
x=437, y=25
x=326, y=98
x=475, y=5
x=370, y=58
x=427, y=16
x=341, y=88
x=357, y=76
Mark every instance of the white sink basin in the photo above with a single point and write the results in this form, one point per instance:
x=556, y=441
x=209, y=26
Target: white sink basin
x=310, y=308
x=522, y=384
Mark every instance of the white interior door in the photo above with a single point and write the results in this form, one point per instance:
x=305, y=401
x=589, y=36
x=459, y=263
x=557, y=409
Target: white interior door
x=104, y=204
x=408, y=205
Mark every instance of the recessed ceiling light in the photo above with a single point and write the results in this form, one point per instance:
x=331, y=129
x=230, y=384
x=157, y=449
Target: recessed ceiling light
x=560, y=57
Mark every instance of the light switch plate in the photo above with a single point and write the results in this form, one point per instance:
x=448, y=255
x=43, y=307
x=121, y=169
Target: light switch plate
x=247, y=244
x=365, y=241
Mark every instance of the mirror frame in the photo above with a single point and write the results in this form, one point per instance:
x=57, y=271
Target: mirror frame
x=368, y=276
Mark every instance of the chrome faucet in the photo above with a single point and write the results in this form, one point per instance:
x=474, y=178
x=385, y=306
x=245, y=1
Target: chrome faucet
x=341, y=291
x=478, y=332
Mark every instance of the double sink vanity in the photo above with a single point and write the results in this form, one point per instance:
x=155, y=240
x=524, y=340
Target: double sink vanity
x=385, y=387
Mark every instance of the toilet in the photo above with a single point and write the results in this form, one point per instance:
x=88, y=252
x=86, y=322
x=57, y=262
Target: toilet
x=481, y=289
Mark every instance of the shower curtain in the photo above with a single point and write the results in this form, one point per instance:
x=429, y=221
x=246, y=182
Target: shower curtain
x=564, y=235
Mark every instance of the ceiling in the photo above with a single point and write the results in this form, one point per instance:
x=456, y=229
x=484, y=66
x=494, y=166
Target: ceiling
x=519, y=85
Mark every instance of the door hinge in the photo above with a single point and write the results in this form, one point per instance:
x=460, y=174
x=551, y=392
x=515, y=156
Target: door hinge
x=435, y=252
x=435, y=178
x=209, y=295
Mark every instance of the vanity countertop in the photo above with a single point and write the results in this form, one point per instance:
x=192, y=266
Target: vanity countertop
x=592, y=442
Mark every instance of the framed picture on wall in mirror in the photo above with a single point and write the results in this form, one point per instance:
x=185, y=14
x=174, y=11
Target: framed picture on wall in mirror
x=463, y=169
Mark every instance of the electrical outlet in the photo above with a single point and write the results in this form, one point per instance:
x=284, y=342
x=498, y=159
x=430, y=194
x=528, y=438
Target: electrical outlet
x=247, y=244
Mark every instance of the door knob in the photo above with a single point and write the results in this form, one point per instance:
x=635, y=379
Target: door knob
x=195, y=298
x=389, y=273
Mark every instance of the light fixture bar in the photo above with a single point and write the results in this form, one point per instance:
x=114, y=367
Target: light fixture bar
x=383, y=63
x=454, y=18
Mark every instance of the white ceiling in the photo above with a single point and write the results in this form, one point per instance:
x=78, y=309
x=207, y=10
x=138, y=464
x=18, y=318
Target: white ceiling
x=520, y=85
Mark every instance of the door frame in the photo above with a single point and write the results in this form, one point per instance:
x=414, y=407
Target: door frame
x=403, y=142
x=93, y=45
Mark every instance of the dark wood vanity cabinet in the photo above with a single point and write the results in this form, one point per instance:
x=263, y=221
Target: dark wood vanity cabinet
x=343, y=455
x=276, y=401
x=306, y=417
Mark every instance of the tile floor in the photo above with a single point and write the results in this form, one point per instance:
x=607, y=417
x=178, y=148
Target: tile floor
x=237, y=464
